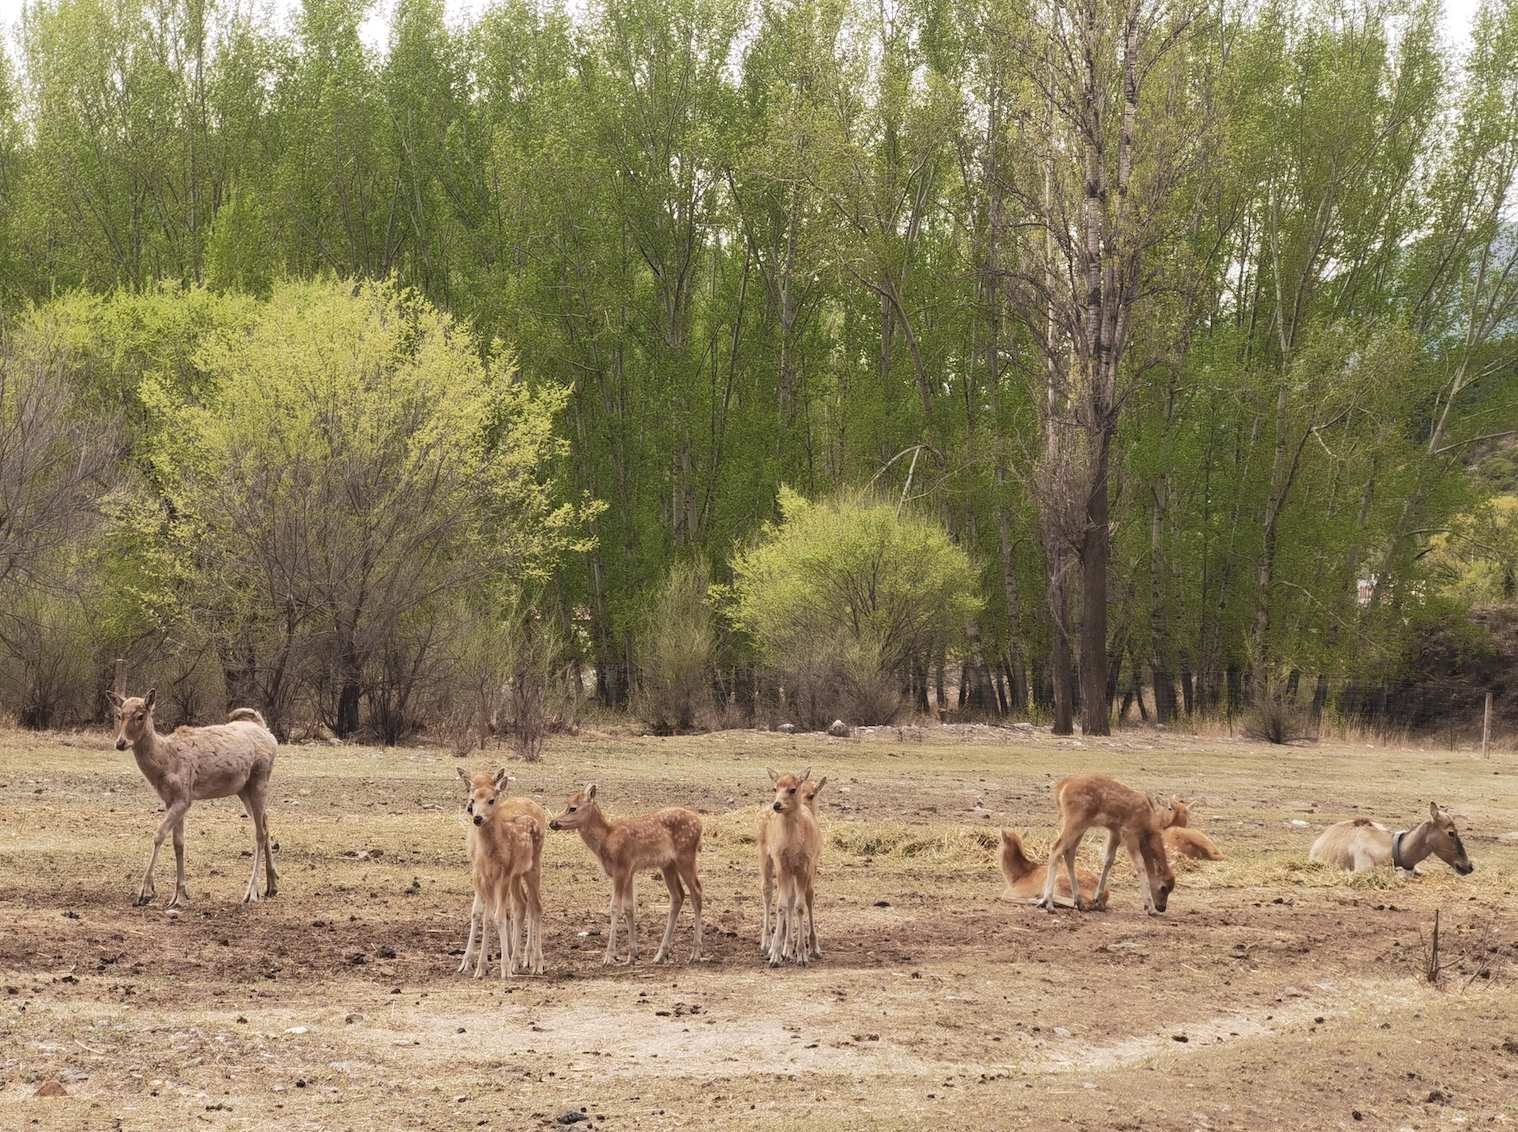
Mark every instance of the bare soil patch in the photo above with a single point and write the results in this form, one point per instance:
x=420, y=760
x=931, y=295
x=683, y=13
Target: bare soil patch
x=1273, y=994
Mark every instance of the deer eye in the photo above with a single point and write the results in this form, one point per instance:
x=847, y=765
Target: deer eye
x=492, y=801
x=141, y=716
x=571, y=809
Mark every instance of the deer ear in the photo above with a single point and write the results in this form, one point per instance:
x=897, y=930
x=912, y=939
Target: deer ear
x=116, y=701
x=150, y=698
x=1004, y=838
x=500, y=778
x=821, y=782
x=590, y=791
x=774, y=776
x=1433, y=809
x=806, y=774
x=464, y=774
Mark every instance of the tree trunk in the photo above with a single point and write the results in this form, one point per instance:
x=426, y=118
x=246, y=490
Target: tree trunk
x=1095, y=552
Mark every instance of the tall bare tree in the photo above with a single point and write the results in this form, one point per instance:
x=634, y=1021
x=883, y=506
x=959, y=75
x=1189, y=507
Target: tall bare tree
x=1110, y=152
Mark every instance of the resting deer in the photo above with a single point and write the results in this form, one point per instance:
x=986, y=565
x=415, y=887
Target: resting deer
x=506, y=853
x=1181, y=839
x=791, y=841
x=1362, y=844
x=195, y=763
x=1094, y=800
x=807, y=790
x=1025, y=882
x=668, y=841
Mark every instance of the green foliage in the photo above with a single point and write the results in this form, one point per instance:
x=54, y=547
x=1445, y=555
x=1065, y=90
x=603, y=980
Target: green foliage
x=843, y=594
x=1476, y=560
x=676, y=652
x=354, y=464
x=731, y=244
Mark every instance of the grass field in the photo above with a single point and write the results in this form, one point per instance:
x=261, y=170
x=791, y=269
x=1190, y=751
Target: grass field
x=1272, y=994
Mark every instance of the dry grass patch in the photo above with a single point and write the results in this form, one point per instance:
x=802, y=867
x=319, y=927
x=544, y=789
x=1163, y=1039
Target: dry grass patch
x=935, y=1004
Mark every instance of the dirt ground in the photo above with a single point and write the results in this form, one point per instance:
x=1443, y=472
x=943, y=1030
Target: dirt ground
x=1272, y=994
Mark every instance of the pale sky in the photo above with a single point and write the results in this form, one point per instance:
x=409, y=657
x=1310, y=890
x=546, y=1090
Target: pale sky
x=1459, y=17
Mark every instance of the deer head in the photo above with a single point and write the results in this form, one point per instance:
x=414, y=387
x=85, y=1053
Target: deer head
x=788, y=793
x=134, y=717
x=1443, y=839
x=483, y=792
x=577, y=810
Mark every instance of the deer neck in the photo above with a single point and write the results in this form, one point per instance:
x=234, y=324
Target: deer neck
x=151, y=754
x=1410, y=846
x=594, y=831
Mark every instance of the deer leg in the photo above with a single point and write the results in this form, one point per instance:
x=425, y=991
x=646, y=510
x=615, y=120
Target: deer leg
x=630, y=910
x=767, y=867
x=676, y=901
x=506, y=929
x=181, y=894
x=271, y=875
x=811, y=919
x=1055, y=852
x=780, y=937
x=170, y=820
x=533, y=904
x=617, y=885
x=1108, y=856
x=487, y=917
x=476, y=914
x=693, y=882
x=260, y=836
x=1143, y=874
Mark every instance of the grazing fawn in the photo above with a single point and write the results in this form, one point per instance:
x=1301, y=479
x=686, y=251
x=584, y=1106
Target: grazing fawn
x=1362, y=844
x=196, y=763
x=506, y=852
x=792, y=841
x=1180, y=839
x=807, y=790
x=667, y=841
x=1025, y=881
x=1094, y=800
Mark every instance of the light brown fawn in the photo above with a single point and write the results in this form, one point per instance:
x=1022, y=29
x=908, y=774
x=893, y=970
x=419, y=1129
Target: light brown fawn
x=1087, y=800
x=668, y=841
x=807, y=790
x=793, y=842
x=1180, y=839
x=1025, y=881
x=195, y=763
x=506, y=853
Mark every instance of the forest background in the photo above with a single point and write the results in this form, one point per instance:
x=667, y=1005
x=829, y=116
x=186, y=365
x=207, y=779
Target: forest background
x=735, y=361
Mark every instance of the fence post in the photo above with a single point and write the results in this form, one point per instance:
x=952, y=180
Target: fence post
x=120, y=685
x=1486, y=729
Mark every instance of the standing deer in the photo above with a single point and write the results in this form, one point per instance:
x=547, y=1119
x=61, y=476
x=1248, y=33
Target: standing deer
x=667, y=840
x=506, y=854
x=1087, y=800
x=1362, y=844
x=804, y=788
x=196, y=763
x=1180, y=839
x=793, y=841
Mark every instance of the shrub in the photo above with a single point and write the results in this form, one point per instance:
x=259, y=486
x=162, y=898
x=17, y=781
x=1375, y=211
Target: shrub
x=1275, y=720
x=675, y=653
x=842, y=594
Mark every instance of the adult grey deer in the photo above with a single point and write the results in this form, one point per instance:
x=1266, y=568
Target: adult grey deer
x=195, y=763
